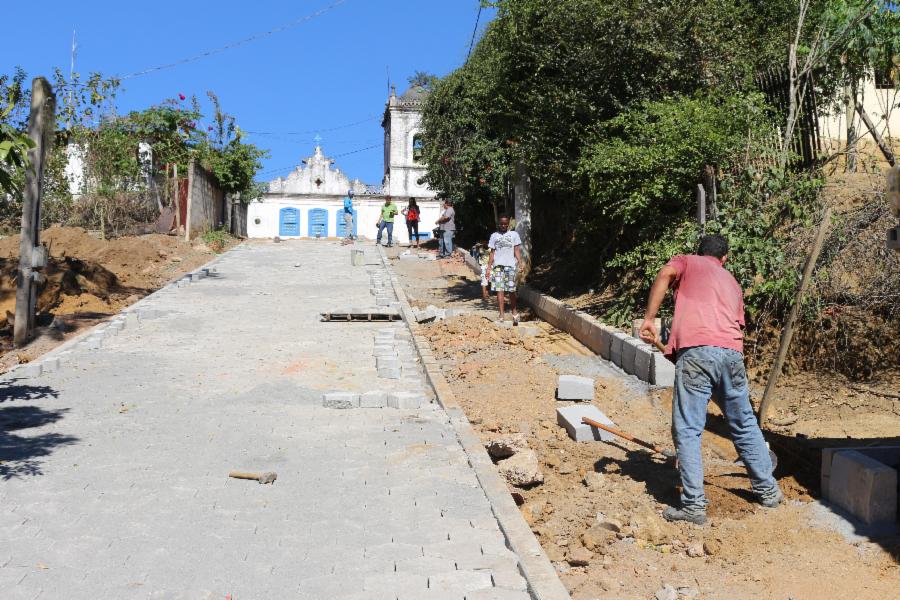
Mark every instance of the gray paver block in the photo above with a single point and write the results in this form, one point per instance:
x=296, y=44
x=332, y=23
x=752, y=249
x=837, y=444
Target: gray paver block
x=615, y=347
x=662, y=371
x=864, y=487
x=406, y=400
x=50, y=365
x=373, y=400
x=497, y=594
x=629, y=350
x=509, y=579
x=95, y=342
x=574, y=387
x=30, y=370
x=389, y=373
x=889, y=455
x=425, y=565
x=340, y=400
x=569, y=417
x=643, y=361
x=460, y=581
x=132, y=319
x=387, y=362
x=606, y=335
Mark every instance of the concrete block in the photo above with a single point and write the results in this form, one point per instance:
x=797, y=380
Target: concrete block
x=30, y=370
x=389, y=373
x=384, y=351
x=406, y=400
x=888, y=455
x=387, y=331
x=95, y=342
x=50, y=365
x=460, y=581
x=387, y=362
x=65, y=356
x=195, y=277
x=662, y=371
x=574, y=387
x=132, y=319
x=382, y=301
x=373, y=400
x=615, y=347
x=643, y=361
x=606, y=336
x=569, y=417
x=864, y=487
x=340, y=400
x=629, y=351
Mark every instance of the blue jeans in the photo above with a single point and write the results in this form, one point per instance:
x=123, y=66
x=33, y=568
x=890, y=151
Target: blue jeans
x=390, y=229
x=700, y=373
x=446, y=243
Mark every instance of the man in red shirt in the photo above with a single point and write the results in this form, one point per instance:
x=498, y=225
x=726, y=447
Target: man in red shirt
x=707, y=341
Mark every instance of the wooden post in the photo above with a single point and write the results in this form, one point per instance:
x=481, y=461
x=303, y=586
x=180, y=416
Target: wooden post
x=882, y=145
x=788, y=332
x=709, y=187
x=701, y=207
x=522, y=198
x=40, y=130
x=850, y=115
x=190, y=193
x=177, y=202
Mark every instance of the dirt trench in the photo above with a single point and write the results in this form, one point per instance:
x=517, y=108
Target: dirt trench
x=597, y=513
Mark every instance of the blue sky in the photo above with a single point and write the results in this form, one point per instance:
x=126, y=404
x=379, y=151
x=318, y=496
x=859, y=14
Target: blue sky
x=325, y=73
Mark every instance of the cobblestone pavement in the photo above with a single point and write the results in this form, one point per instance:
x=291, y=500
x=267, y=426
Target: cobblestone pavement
x=113, y=480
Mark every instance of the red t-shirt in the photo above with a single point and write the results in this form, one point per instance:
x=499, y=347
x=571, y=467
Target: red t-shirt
x=709, y=305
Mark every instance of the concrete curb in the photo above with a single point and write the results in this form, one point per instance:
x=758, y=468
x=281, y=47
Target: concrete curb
x=639, y=359
x=127, y=317
x=543, y=581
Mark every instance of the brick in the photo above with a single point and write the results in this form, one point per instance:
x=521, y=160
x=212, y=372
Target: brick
x=662, y=371
x=405, y=400
x=373, y=400
x=569, y=417
x=340, y=400
x=864, y=487
x=615, y=347
x=574, y=387
x=643, y=361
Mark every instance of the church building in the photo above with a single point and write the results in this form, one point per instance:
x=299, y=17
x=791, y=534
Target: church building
x=309, y=201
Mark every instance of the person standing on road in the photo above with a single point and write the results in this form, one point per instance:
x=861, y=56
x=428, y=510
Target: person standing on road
x=411, y=212
x=386, y=221
x=348, y=216
x=447, y=226
x=506, y=254
x=707, y=341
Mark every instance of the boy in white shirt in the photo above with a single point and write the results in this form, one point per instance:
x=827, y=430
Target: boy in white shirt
x=506, y=253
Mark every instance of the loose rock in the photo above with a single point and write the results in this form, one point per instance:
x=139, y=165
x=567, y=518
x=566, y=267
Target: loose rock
x=695, y=551
x=579, y=556
x=506, y=446
x=522, y=469
x=594, y=481
x=667, y=592
x=711, y=547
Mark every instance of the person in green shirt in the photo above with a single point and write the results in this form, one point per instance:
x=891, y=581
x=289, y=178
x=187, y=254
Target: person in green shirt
x=388, y=212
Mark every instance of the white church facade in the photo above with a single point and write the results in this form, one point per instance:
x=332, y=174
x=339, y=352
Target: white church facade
x=309, y=202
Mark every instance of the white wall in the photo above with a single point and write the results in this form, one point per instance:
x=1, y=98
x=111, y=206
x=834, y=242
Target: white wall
x=882, y=108
x=368, y=212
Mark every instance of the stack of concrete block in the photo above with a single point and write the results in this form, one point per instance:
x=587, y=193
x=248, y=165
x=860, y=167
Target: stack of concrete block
x=574, y=387
x=862, y=482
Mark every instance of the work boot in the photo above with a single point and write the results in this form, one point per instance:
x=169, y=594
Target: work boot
x=772, y=500
x=677, y=514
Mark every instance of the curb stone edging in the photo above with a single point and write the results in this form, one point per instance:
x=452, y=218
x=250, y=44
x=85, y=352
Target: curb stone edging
x=543, y=581
x=641, y=360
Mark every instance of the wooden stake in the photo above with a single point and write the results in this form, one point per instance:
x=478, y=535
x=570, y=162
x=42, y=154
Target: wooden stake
x=788, y=332
x=882, y=145
x=40, y=129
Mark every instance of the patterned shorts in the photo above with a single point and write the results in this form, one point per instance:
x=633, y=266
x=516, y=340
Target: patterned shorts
x=484, y=279
x=503, y=279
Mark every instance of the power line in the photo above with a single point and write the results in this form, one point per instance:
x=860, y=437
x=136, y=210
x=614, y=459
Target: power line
x=338, y=127
x=358, y=150
x=236, y=44
x=475, y=31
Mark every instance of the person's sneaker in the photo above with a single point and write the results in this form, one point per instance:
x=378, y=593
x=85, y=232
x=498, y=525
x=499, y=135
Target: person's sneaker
x=676, y=514
x=774, y=500
x=515, y=319
x=389, y=245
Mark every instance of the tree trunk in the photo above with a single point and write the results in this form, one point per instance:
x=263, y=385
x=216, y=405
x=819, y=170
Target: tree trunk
x=522, y=195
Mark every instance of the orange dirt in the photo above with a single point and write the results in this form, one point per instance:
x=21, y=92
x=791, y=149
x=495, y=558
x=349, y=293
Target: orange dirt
x=506, y=381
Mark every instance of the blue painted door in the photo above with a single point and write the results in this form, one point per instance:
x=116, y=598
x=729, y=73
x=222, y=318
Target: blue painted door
x=340, y=227
x=317, y=222
x=289, y=222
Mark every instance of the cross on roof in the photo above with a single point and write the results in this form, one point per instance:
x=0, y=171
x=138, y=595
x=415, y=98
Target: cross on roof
x=318, y=140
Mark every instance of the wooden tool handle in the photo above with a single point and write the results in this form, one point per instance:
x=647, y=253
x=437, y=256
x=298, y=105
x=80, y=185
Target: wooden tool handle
x=242, y=475
x=659, y=345
x=621, y=434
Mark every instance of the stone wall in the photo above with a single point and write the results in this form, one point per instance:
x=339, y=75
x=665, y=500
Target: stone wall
x=205, y=202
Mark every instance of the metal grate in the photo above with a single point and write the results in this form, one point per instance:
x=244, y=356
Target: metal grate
x=359, y=317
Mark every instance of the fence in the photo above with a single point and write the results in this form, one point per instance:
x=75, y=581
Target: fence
x=775, y=86
x=205, y=209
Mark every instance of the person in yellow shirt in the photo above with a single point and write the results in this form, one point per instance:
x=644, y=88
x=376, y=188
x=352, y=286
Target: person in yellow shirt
x=386, y=221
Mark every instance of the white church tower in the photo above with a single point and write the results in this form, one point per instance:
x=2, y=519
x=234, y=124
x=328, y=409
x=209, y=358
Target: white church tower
x=403, y=166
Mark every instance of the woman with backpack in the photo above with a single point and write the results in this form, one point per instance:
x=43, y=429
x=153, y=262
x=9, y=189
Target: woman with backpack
x=411, y=212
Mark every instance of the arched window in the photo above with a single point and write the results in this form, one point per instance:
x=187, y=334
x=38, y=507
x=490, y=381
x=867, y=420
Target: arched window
x=418, y=148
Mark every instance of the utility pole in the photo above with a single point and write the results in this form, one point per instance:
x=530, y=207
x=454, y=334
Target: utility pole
x=33, y=256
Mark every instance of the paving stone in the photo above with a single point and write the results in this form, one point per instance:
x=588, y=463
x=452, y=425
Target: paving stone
x=373, y=400
x=509, y=579
x=425, y=565
x=132, y=319
x=574, y=387
x=497, y=594
x=570, y=417
x=629, y=350
x=460, y=581
x=50, y=365
x=406, y=400
x=340, y=400
x=398, y=582
x=389, y=373
x=643, y=361
x=615, y=347
x=30, y=371
x=662, y=371
x=387, y=362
